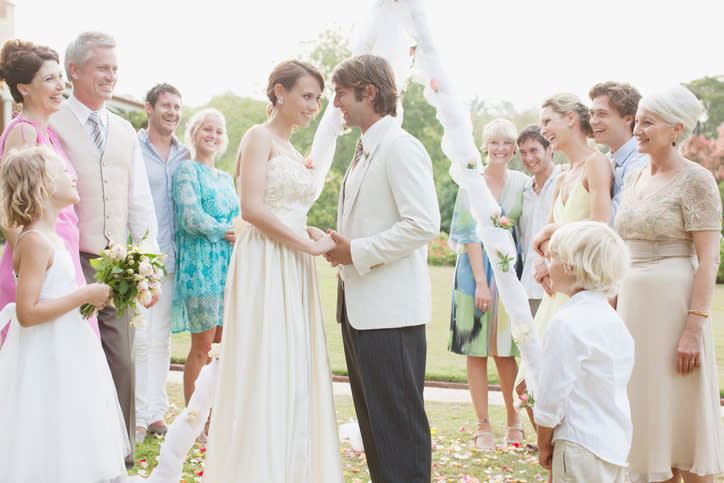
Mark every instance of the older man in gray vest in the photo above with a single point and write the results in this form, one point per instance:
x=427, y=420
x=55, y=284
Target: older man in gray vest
x=115, y=198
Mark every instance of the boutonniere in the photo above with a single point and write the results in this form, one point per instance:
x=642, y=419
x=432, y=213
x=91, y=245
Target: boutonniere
x=309, y=162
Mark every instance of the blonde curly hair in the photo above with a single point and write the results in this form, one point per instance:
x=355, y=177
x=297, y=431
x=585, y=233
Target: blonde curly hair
x=25, y=186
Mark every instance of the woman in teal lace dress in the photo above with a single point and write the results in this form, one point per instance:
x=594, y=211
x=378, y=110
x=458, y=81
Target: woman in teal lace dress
x=206, y=204
x=479, y=326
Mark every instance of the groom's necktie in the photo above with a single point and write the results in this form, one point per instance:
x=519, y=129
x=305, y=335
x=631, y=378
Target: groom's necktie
x=357, y=153
x=96, y=131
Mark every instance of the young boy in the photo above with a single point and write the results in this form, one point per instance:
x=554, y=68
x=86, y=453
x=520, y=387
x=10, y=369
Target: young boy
x=582, y=410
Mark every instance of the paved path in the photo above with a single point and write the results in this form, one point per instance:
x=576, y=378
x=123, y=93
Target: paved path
x=437, y=394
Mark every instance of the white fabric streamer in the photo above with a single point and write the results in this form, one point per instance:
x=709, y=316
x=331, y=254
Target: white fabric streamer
x=185, y=428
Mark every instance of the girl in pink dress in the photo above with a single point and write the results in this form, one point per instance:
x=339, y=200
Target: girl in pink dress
x=35, y=78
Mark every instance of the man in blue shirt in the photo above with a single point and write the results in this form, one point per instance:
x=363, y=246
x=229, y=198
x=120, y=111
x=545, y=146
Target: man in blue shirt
x=162, y=153
x=613, y=115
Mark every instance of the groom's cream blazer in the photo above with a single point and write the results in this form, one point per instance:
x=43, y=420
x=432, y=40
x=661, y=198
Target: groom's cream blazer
x=390, y=213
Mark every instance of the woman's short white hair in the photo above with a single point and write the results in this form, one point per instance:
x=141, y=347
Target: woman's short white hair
x=673, y=105
x=594, y=252
x=195, y=123
x=81, y=49
x=499, y=128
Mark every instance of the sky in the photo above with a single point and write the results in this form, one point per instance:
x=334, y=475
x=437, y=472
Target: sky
x=520, y=51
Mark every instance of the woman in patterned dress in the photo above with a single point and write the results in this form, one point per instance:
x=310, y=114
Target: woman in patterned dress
x=479, y=325
x=206, y=204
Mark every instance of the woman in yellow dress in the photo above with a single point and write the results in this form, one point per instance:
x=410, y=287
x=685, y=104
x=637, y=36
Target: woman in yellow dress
x=582, y=192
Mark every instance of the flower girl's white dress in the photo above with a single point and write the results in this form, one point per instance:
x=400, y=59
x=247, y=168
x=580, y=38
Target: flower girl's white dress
x=60, y=420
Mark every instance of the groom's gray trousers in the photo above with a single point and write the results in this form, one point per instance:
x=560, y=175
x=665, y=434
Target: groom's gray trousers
x=387, y=374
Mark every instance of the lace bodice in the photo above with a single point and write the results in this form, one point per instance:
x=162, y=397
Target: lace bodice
x=290, y=190
x=689, y=202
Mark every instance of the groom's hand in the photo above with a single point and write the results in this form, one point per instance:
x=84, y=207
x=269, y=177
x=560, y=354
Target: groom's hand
x=341, y=254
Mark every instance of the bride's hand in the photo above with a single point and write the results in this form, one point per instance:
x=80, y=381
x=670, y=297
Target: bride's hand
x=323, y=245
x=315, y=233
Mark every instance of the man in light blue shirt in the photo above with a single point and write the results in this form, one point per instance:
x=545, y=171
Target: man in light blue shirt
x=162, y=153
x=613, y=115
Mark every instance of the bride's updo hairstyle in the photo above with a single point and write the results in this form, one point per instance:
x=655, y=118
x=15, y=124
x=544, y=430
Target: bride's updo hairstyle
x=287, y=74
x=20, y=61
x=360, y=71
x=565, y=103
x=25, y=185
x=674, y=105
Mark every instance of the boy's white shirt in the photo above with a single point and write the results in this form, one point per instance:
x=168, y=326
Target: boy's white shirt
x=588, y=356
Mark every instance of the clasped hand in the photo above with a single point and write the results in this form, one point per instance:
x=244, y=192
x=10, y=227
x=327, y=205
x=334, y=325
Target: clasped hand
x=322, y=243
x=335, y=247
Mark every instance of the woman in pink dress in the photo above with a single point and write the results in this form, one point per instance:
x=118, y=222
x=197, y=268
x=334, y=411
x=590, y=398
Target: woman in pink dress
x=35, y=78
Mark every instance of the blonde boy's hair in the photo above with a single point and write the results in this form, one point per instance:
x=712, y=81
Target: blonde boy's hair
x=25, y=186
x=594, y=252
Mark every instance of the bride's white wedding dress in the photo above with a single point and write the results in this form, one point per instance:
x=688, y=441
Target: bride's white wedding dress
x=273, y=417
x=60, y=420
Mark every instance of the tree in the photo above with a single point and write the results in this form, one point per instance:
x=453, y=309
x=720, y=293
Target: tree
x=710, y=90
x=240, y=112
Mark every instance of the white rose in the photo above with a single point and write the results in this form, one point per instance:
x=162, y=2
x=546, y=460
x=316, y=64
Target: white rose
x=145, y=269
x=138, y=321
x=144, y=298
x=156, y=288
x=118, y=252
x=142, y=286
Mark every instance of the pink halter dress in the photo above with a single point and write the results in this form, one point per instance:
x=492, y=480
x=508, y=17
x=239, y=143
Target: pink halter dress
x=66, y=226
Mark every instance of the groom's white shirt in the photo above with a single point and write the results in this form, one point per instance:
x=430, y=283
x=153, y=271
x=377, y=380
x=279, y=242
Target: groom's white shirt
x=388, y=208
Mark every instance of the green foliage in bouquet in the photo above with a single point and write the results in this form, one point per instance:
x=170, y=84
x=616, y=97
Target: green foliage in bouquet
x=133, y=272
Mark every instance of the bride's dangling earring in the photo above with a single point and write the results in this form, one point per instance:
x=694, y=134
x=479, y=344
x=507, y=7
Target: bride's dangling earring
x=281, y=99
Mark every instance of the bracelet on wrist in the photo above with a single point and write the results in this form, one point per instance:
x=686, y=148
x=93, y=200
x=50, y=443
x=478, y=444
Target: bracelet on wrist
x=699, y=313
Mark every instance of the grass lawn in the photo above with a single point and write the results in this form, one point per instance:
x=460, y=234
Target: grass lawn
x=441, y=364
x=454, y=457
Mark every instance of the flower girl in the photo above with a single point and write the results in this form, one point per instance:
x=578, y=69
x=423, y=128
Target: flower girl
x=59, y=415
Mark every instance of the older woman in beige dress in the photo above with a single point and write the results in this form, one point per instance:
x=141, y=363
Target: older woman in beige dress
x=670, y=216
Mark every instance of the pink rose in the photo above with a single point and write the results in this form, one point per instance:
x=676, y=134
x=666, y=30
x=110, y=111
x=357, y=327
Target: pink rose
x=434, y=85
x=523, y=397
x=504, y=220
x=412, y=50
x=308, y=162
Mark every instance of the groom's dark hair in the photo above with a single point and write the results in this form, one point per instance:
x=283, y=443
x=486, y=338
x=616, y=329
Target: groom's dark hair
x=362, y=70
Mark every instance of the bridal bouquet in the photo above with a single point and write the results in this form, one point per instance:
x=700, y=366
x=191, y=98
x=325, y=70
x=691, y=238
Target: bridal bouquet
x=133, y=272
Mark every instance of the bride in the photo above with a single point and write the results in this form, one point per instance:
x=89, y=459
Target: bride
x=274, y=417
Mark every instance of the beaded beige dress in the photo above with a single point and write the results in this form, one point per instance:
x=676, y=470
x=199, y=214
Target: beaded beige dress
x=676, y=419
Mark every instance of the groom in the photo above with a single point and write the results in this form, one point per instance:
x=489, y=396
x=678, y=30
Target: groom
x=387, y=214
